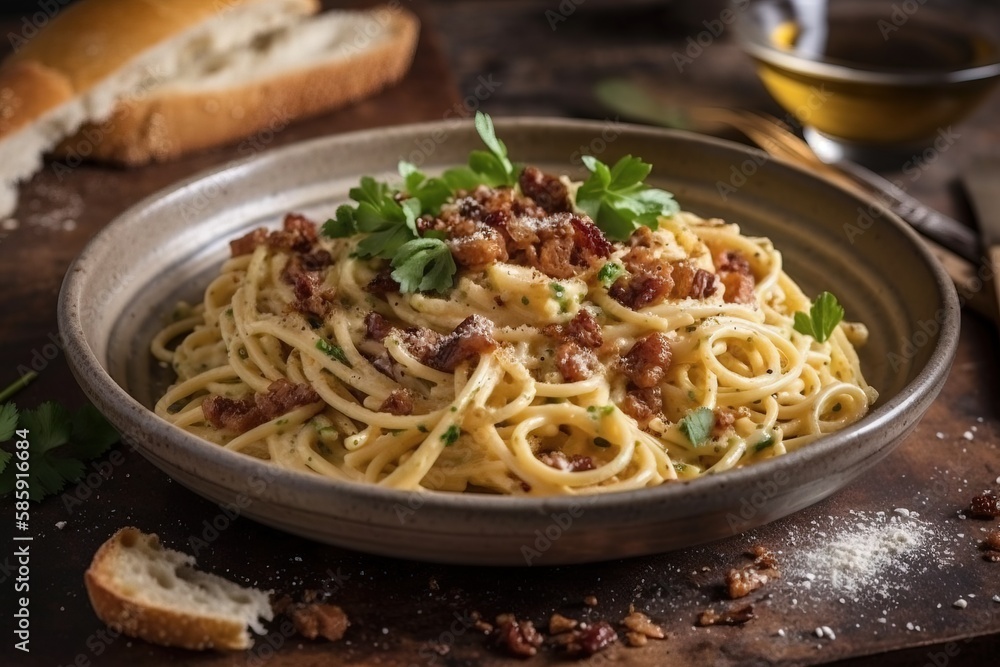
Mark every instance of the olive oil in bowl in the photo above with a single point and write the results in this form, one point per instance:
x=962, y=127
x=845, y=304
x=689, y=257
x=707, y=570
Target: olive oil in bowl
x=868, y=73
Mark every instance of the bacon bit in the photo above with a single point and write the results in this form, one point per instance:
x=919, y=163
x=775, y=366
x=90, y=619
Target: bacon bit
x=749, y=578
x=583, y=330
x=304, y=273
x=382, y=284
x=735, y=274
x=737, y=616
x=639, y=291
x=376, y=327
x=398, y=402
x=298, y=233
x=520, y=638
x=643, y=404
x=726, y=417
x=245, y=245
x=985, y=506
x=560, y=461
x=470, y=339
x=319, y=620
x=647, y=362
x=639, y=623
x=589, y=240
x=588, y=639
x=547, y=191
x=242, y=414
x=559, y=624
x=991, y=547
x=484, y=247
x=576, y=363
x=690, y=282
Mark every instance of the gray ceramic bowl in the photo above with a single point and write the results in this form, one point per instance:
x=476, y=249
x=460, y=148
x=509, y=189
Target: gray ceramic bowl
x=167, y=247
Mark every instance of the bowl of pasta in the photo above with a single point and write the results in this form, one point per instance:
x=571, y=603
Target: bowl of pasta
x=510, y=344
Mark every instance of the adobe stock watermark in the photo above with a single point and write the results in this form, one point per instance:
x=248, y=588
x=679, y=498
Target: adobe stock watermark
x=912, y=169
x=610, y=132
x=560, y=523
x=562, y=13
x=898, y=17
x=425, y=147
x=714, y=29
x=740, y=174
x=766, y=491
x=31, y=24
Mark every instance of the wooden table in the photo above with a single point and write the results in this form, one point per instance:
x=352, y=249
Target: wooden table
x=408, y=613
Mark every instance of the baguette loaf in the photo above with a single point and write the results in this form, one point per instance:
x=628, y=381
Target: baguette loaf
x=95, y=52
x=314, y=66
x=144, y=590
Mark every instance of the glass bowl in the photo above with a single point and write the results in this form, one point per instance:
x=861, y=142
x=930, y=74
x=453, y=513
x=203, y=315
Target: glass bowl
x=868, y=77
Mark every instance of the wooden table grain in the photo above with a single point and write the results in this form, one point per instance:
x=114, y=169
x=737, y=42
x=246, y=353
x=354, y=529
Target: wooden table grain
x=516, y=57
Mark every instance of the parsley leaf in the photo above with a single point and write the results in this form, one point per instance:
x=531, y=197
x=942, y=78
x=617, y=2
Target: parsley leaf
x=432, y=192
x=424, y=264
x=697, y=425
x=493, y=165
x=767, y=441
x=450, y=436
x=609, y=273
x=618, y=200
x=8, y=421
x=59, y=443
x=333, y=351
x=388, y=227
x=824, y=316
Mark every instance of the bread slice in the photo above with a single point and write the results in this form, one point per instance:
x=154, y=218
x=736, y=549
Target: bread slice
x=96, y=52
x=140, y=588
x=314, y=66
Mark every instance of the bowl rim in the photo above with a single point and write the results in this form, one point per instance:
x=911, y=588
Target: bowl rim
x=750, y=36
x=95, y=379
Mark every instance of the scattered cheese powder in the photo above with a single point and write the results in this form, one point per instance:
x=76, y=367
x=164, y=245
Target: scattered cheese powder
x=864, y=553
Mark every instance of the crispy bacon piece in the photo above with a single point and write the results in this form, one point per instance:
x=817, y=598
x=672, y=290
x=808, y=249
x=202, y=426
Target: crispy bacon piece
x=690, y=282
x=546, y=190
x=637, y=292
x=478, y=250
x=647, y=362
x=726, y=417
x=643, y=404
x=736, y=276
x=398, y=402
x=245, y=245
x=382, y=284
x=376, y=327
x=304, y=272
x=575, y=362
x=298, y=233
x=560, y=461
x=471, y=338
x=520, y=638
x=583, y=330
x=242, y=414
x=736, y=616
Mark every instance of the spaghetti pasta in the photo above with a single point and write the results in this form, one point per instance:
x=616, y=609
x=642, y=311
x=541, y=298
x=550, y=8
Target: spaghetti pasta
x=558, y=362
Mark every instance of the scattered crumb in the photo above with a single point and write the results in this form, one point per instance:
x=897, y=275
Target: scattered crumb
x=559, y=624
x=960, y=604
x=60, y=524
x=737, y=616
x=590, y=601
x=749, y=578
x=968, y=436
x=519, y=638
x=640, y=623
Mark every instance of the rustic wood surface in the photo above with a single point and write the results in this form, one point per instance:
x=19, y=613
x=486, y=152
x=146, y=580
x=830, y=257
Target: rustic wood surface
x=408, y=613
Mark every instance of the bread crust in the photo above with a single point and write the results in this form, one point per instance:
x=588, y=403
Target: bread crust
x=121, y=611
x=27, y=92
x=164, y=125
x=93, y=39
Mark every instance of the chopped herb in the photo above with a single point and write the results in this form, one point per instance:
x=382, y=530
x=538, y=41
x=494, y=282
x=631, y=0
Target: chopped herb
x=450, y=436
x=597, y=411
x=421, y=428
x=602, y=443
x=768, y=441
x=691, y=395
x=281, y=422
x=493, y=165
x=697, y=425
x=609, y=273
x=424, y=264
x=618, y=200
x=432, y=192
x=396, y=431
x=525, y=300
x=680, y=467
x=823, y=317
x=333, y=351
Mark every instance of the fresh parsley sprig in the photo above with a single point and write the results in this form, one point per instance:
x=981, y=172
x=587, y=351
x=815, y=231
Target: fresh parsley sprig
x=60, y=443
x=697, y=425
x=617, y=199
x=823, y=317
x=424, y=265
x=493, y=165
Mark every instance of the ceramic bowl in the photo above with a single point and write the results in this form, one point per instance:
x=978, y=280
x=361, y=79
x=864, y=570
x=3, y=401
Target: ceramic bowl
x=166, y=248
